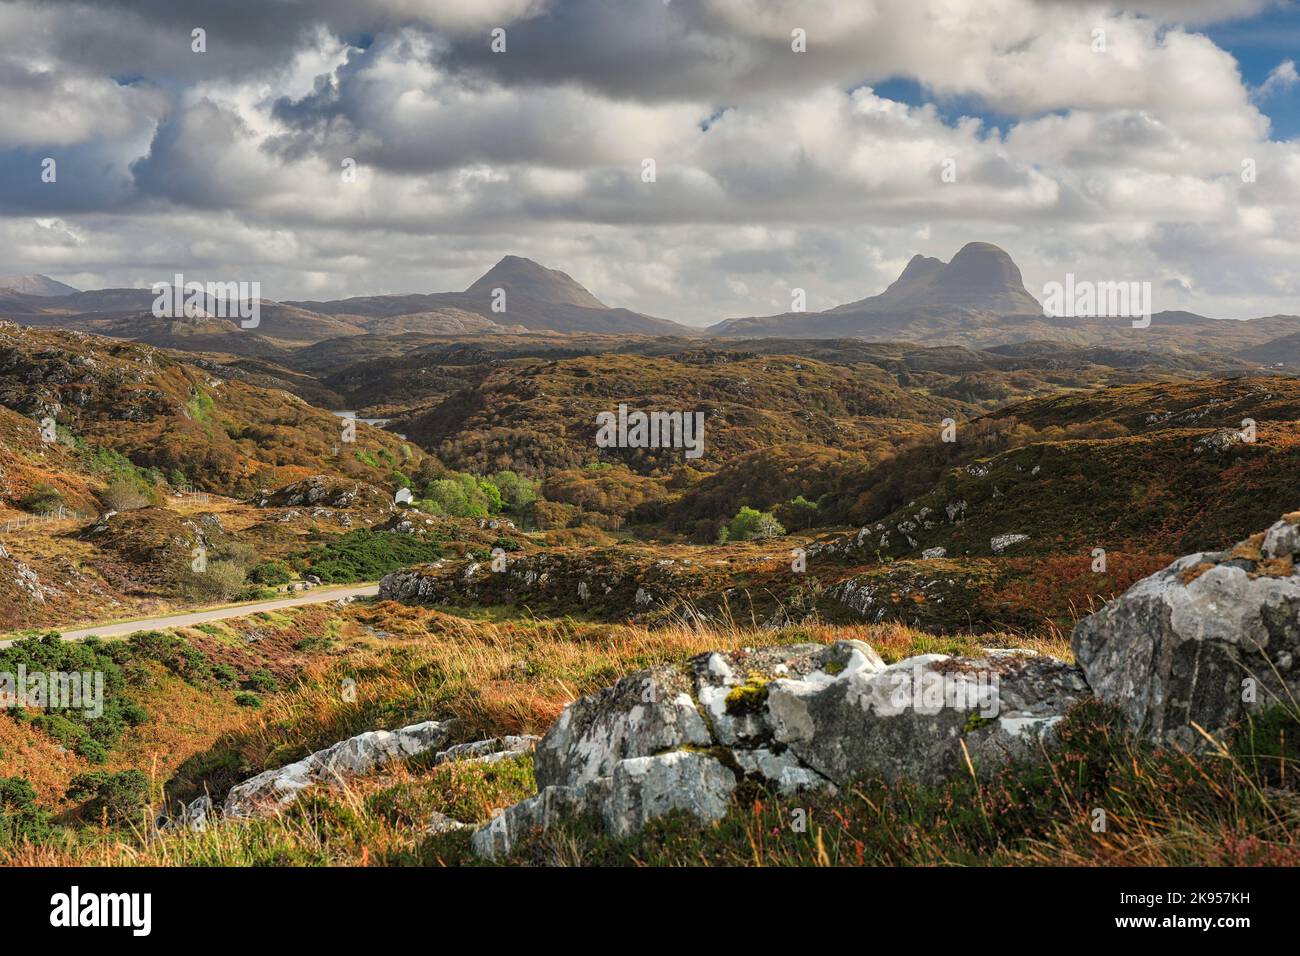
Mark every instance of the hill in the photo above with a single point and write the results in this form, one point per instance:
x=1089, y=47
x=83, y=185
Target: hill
x=36, y=284
x=979, y=300
x=535, y=298
x=222, y=435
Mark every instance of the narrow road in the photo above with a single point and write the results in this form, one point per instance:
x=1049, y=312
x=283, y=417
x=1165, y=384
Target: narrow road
x=315, y=596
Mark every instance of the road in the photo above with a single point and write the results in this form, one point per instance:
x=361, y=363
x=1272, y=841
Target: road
x=315, y=596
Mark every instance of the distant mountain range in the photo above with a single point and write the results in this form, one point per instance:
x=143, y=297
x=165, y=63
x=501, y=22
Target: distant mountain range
x=535, y=298
x=35, y=284
x=532, y=298
x=976, y=300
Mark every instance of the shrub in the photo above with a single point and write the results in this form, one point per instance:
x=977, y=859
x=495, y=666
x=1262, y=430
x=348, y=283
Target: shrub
x=21, y=820
x=263, y=680
x=116, y=797
x=366, y=555
x=246, y=698
x=753, y=525
x=271, y=573
x=122, y=494
x=73, y=727
x=221, y=581
x=41, y=498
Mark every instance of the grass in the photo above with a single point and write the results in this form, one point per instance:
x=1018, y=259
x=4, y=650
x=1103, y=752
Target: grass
x=501, y=675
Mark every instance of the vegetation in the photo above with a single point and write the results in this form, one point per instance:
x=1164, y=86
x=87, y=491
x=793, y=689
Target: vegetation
x=365, y=555
x=42, y=498
x=510, y=676
x=750, y=524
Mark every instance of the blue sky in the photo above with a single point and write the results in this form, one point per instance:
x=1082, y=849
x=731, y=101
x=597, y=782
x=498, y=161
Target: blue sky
x=776, y=168
x=1260, y=43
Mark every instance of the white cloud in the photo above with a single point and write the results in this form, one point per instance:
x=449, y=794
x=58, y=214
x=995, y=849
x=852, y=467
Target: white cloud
x=1126, y=160
x=1280, y=79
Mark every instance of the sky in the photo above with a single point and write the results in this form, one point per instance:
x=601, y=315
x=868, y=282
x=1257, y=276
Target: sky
x=360, y=147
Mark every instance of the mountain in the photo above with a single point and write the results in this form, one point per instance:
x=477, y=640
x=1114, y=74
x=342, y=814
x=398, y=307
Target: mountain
x=982, y=280
x=978, y=300
x=1281, y=352
x=525, y=279
x=36, y=284
x=536, y=298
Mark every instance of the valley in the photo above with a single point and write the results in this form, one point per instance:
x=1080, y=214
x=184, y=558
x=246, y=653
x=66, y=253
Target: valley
x=397, y=513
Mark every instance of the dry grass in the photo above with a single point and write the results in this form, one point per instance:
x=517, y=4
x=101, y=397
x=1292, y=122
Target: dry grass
x=513, y=675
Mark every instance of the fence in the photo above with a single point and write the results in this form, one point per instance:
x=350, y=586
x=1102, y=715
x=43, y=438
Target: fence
x=28, y=521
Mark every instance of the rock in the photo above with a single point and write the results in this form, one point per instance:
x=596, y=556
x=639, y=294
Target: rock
x=782, y=770
x=552, y=805
x=197, y=813
x=355, y=756
x=1205, y=641
x=798, y=717
x=646, y=788
x=929, y=554
x=440, y=823
x=644, y=713
x=326, y=492
x=488, y=751
x=909, y=721
x=193, y=816
x=1000, y=543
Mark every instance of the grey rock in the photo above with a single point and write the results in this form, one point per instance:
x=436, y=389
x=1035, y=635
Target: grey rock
x=488, y=751
x=798, y=717
x=552, y=805
x=644, y=713
x=646, y=788
x=440, y=823
x=1000, y=543
x=918, y=720
x=356, y=756
x=1203, y=642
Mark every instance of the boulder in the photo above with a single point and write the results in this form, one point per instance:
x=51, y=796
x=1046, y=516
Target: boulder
x=1203, y=643
x=794, y=718
x=645, y=713
x=646, y=788
x=921, y=719
x=355, y=756
x=488, y=751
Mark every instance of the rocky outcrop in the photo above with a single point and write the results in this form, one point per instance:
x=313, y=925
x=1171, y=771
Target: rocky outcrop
x=325, y=491
x=356, y=756
x=488, y=751
x=612, y=583
x=793, y=718
x=1203, y=643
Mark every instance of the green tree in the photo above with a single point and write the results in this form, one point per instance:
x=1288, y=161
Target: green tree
x=517, y=492
x=750, y=524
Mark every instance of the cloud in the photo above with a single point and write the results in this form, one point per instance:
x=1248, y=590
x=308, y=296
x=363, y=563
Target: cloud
x=1281, y=79
x=773, y=168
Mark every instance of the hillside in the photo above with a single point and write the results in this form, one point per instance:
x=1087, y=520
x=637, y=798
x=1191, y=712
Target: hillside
x=536, y=298
x=1157, y=468
x=540, y=417
x=222, y=435
x=978, y=300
